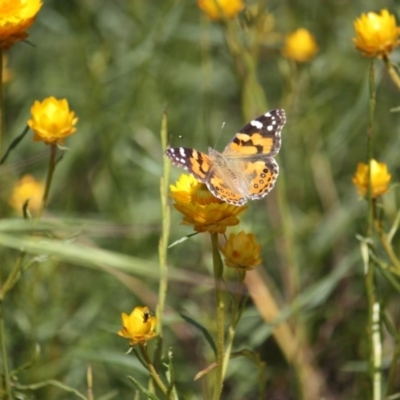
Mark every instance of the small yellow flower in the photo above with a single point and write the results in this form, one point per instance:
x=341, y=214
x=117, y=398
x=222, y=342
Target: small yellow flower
x=220, y=9
x=201, y=209
x=27, y=188
x=376, y=34
x=380, y=178
x=139, y=326
x=16, y=16
x=300, y=46
x=52, y=120
x=242, y=251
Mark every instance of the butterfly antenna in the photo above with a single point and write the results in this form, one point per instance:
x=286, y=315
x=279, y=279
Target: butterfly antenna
x=220, y=133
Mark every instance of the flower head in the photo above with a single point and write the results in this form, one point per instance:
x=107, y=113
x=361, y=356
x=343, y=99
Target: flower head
x=220, y=9
x=139, y=326
x=201, y=209
x=16, y=16
x=376, y=34
x=27, y=189
x=380, y=178
x=242, y=251
x=300, y=46
x=52, y=120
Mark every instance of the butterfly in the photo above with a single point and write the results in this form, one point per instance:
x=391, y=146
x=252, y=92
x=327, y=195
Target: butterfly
x=246, y=169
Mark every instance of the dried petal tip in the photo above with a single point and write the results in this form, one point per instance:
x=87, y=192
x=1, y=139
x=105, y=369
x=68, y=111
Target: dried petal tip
x=376, y=34
x=139, y=326
x=52, y=120
x=380, y=179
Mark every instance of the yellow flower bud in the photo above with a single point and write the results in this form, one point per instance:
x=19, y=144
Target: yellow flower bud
x=300, y=46
x=219, y=9
x=242, y=251
x=27, y=188
x=52, y=120
x=380, y=178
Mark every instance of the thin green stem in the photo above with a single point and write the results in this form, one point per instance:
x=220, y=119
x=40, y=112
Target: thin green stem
x=13, y=276
x=4, y=358
x=152, y=370
x=220, y=314
x=1, y=100
x=50, y=172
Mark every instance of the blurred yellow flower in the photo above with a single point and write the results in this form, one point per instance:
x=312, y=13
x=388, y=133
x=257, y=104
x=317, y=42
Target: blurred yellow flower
x=16, y=16
x=242, y=251
x=52, y=120
x=139, y=326
x=200, y=208
x=220, y=9
x=376, y=34
x=380, y=178
x=27, y=188
x=300, y=46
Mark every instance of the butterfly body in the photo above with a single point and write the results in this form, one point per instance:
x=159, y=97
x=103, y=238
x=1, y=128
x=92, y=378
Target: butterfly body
x=246, y=168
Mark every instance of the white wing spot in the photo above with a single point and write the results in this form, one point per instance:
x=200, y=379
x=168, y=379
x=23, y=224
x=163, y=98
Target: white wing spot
x=256, y=124
x=270, y=128
x=182, y=151
x=268, y=114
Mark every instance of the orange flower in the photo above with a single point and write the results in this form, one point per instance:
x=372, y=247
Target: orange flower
x=201, y=209
x=27, y=188
x=16, y=16
x=300, y=46
x=220, y=9
x=380, y=178
x=52, y=120
x=376, y=34
x=139, y=326
x=242, y=251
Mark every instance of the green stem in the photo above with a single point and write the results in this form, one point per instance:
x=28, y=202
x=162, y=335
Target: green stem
x=220, y=308
x=50, y=172
x=1, y=99
x=4, y=359
x=13, y=276
x=153, y=372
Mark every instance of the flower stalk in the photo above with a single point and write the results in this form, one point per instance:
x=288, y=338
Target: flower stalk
x=50, y=172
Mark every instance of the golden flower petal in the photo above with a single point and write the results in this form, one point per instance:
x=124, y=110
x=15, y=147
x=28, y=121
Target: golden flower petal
x=376, y=34
x=380, y=178
x=52, y=120
x=300, y=46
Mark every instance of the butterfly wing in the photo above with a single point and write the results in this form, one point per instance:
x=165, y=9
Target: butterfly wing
x=197, y=163
x=260, y=137
x=218, y=187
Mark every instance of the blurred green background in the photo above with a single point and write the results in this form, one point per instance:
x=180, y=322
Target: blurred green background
x=121, y=64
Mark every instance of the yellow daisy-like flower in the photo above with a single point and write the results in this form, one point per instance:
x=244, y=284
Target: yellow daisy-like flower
x=376, y=34
x=27, y=188
x=380, y=178
x=139, y=326
x=52, y=120
x=220, y=9
x=201, y=209
x=300, y=46
x=16, y=16
x=242, y=251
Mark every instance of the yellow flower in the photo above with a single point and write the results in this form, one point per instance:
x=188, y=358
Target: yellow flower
x=220, y=9
x=139, y=326
x=52, y=120
x=380, y=178
x=201, y=209
x=300, y=46
x=242, y=251
x=27, y=188
x=16, y=16
x=377, y=34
